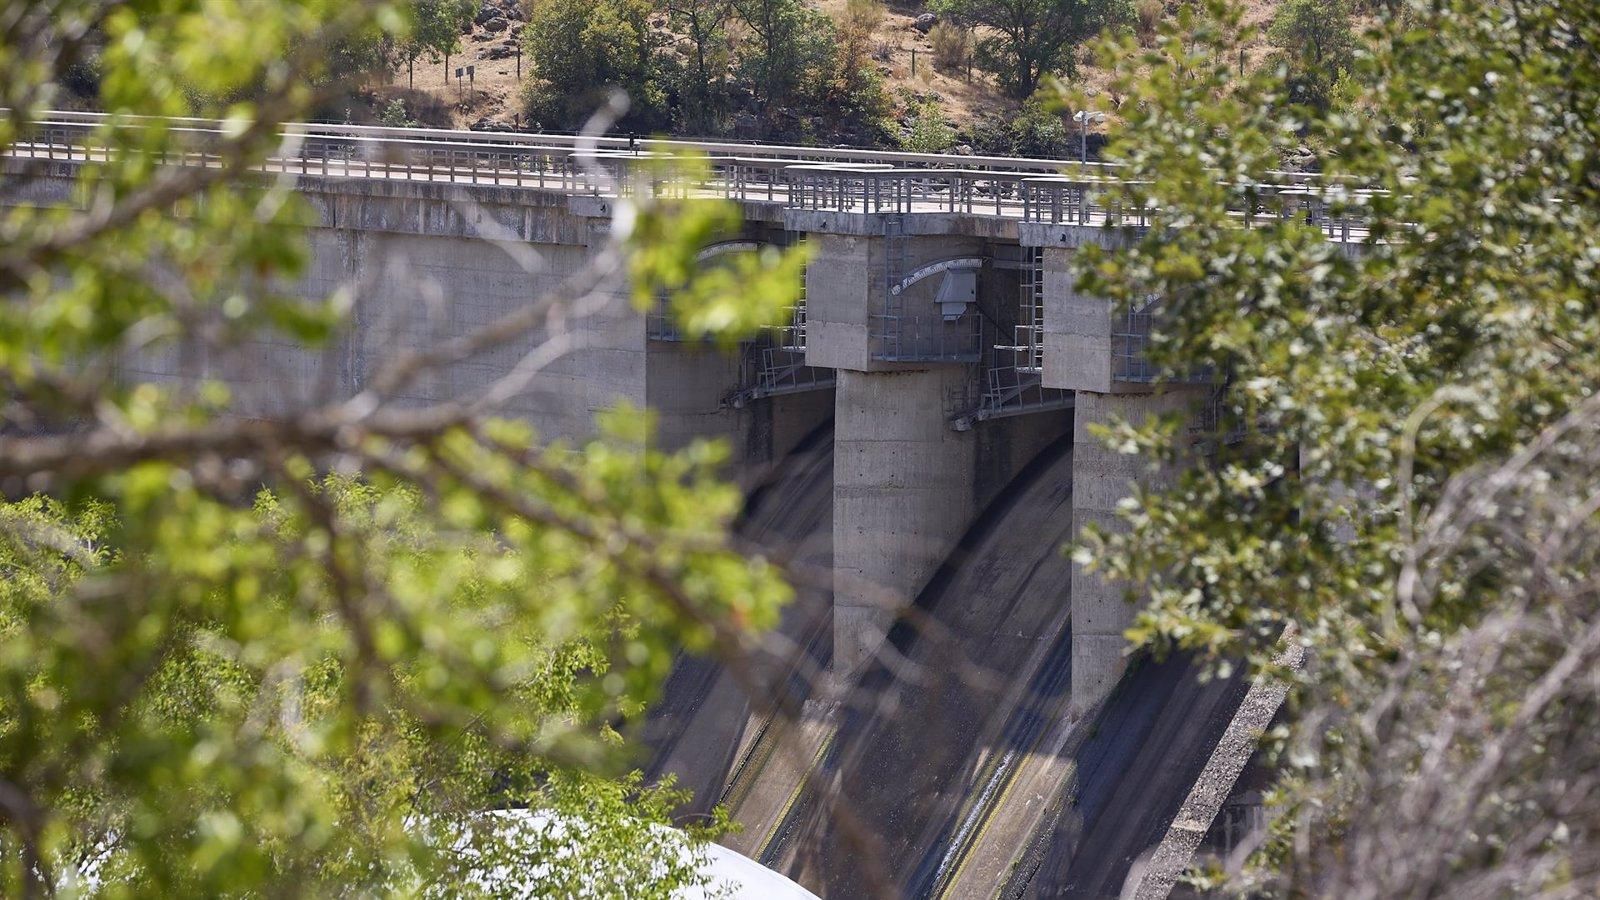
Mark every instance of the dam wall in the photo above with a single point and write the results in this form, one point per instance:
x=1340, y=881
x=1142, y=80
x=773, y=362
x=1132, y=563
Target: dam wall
x=914, y=332
x=943, y=379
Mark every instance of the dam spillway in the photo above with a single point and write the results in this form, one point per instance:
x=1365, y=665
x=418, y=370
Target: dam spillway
x=696, y=730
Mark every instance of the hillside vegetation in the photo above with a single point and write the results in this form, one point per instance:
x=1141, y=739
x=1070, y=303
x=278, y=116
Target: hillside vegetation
x=940, y=75
x=962, y=76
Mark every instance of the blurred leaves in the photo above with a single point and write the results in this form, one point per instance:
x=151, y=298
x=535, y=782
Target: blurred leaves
x=306, y=652
x=726, y=296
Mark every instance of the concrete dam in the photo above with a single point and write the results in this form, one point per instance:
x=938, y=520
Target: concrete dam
x=960, y=718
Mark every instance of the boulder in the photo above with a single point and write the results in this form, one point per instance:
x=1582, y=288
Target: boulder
x=501, y=51
x=925, y=22
x=496, y=25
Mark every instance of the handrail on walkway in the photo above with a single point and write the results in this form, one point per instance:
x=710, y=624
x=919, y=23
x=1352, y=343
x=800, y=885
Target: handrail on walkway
x=855, y=181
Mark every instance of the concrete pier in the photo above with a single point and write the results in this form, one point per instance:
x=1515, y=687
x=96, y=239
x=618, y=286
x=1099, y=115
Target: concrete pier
x=903, y=494
x=1102, y=609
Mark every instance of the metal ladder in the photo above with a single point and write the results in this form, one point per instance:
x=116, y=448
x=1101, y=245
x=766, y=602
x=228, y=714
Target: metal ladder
x=1014, y=381
x=778, y=357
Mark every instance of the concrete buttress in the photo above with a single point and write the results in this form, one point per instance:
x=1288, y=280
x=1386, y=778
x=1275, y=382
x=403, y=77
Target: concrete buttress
x=1103, y=609
x=902, y=497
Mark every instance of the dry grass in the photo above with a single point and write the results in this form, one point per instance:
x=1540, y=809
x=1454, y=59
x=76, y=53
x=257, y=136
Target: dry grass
x=952, y=46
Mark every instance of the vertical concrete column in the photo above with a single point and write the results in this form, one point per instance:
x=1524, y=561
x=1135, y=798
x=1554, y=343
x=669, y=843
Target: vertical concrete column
x=902, y=496
x=1101, y=477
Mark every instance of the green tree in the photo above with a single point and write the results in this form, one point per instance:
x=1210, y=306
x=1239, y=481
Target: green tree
x=928, y=132
x=417, y=28
x=853, y=92
x=436, y=27
x=1316, y=46
x=788, y=53
x=707, y=57
x=311, y=649
x=1400, y=464
x=1024, y=40
x=582, y=49
x=248, y=740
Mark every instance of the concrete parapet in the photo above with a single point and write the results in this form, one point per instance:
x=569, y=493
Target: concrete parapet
x=1102, y=609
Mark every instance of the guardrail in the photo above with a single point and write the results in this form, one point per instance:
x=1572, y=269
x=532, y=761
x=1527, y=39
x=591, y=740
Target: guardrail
x=837, y=180
x=585, y=170
x=571, y=142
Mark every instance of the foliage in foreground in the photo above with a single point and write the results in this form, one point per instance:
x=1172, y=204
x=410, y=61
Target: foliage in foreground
x=1404, y=459
x=249, y=750
x=302, y=643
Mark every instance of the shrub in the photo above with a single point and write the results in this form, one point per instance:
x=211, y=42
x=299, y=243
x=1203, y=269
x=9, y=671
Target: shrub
x=952, y=46
x=862, y=16
x=394, y=115
x=1146, y=15
x=928, y=131
x=1036, y=130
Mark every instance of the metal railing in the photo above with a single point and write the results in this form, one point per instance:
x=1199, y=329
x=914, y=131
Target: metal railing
x=714, y=149
x=903, y=336
x=659, y=324
x=1028, y=351
x=783, y=370
x=1058, y=200
x=829, y=179
x=1014, y=391
x=1130, y=341
x=1062, y=200
x=775, y=361
x=563, y=168
x=896, y=190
